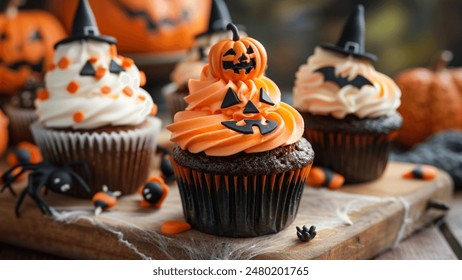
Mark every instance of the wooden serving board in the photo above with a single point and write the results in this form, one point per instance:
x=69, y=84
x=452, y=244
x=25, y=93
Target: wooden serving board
x=356, y=222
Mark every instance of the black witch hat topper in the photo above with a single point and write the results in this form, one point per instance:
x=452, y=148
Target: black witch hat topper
x=84, y=26
x=219, y=18
x=351, y=41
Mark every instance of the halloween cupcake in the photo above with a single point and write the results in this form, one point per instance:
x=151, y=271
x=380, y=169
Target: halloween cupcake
x=94, y=110
x=21, y=111
x=240, y=159
x=196, y=58
x=349, y=108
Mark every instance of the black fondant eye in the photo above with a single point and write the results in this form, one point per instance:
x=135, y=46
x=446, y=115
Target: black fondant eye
x=88, y=70
x=249, y=50
x=35, y=36
x=115, y=68
x=230, y=52
x=3, y=36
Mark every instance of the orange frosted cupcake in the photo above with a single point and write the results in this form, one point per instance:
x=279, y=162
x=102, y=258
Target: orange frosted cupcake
x=240, y=159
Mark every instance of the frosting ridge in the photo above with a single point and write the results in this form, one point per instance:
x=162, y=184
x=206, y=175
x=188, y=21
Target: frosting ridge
x=312, y=93
x=90, y=86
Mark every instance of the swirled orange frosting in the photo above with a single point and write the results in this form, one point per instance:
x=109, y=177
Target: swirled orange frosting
x=199, y=128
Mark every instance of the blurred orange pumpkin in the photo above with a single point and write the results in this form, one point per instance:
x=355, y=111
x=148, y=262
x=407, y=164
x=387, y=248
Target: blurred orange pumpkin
x=144, y=26
x=3, y=133
x=431, y=101
x=26, y=46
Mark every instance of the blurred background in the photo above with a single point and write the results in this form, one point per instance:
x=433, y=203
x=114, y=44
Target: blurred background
x=403, y=33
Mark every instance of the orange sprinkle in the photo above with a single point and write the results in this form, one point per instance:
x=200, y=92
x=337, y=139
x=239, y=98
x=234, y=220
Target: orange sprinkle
x=141, y=97
x=128, y=91
x=106, y=89
x=64, y=62
x=113, y=50
x=154, y=110
x=43, y=94
x=78, y=117
x=142, y=79
x=127, y=62
x=174, y=227
x=93, y=59
x=51, y=67
x=73, y=87
x=100, y=72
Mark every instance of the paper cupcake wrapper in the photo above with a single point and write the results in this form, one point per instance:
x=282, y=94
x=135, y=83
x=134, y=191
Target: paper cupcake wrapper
x=120, y=160
x=175, y=100
x=240, y=206
x=357, y=157
x=20, y=121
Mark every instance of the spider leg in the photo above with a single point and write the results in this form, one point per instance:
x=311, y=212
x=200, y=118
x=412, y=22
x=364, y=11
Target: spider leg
x=80, y=181
x=35, y=181
x=21, y=197
x=8, y=178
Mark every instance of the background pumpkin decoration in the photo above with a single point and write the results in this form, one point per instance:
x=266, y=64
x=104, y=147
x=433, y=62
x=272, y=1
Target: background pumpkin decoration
x=144, y=26
x=26, y=46
x=3, y=132
x=431, y=101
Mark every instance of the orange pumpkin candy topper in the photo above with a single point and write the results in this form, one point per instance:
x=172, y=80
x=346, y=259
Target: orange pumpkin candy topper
x=237, y=59
x=26, y=46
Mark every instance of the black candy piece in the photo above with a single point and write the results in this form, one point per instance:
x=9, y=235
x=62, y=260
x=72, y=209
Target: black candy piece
x=152, y=192
x=264, y=97
x=330, y=76
x=443, y=150
x=115, y=68
x=231, y=99
x=247, y=128
x=88, y=70
x=250, y=108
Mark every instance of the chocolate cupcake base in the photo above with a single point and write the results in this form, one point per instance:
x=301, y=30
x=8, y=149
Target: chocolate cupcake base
x=20, y=122
x=174, y=97
x=119, y=157
x=356, y=148
x=228, y=198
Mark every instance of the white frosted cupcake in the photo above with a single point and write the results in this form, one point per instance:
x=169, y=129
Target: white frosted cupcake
x=94, y=110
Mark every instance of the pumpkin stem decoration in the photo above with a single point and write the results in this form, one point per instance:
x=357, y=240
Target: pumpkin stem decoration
x=442, y=60
x=235, y=30
x=237, y=59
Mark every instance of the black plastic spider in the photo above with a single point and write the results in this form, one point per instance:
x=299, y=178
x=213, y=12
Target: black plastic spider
x=58, y=179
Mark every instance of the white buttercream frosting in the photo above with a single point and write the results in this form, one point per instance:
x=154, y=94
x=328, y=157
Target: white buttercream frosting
x=313, y=94
x=113, y=99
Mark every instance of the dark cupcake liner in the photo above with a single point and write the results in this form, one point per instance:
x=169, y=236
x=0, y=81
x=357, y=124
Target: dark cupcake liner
x=121, y=160
x=240, y=206
x=20, y=122
x=357, y=157
x=174, y=99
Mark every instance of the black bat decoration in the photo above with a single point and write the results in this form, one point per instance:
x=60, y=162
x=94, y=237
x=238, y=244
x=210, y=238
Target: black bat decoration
x=329, y=76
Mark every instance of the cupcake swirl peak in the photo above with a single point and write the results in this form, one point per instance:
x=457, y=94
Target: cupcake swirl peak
x=90, y=86
x=233, y=108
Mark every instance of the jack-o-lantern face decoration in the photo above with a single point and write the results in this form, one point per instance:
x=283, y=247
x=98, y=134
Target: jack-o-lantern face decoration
x=26, y=47
x=237, y=59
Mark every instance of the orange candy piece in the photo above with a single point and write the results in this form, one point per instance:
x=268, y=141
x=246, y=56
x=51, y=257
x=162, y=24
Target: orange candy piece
x=109, y=200
x=127, y=62
x=174, y=227
x=51, y=67
x=142, y=79
x=93, y=59
x=154, y=110
x=106, y=89
x=128, y=91
x=73, y=87
x=423, y=172
x=320, y=176
x=64, y=62
x=43, y=94
x=100, y=72
x=113, y=50
x=78, y=117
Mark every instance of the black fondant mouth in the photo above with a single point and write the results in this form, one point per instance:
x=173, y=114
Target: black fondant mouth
x=15, y=66
x=247, y=66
